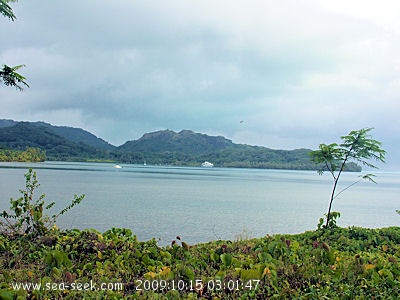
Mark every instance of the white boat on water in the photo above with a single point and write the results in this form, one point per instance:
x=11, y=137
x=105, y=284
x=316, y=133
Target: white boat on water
x=207, y=164
x=117, y=167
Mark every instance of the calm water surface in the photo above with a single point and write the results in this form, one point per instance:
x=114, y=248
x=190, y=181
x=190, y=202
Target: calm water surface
x=202, y=204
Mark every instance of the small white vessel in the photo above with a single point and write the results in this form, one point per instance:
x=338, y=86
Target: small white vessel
x=207, y=164
x=117, y=167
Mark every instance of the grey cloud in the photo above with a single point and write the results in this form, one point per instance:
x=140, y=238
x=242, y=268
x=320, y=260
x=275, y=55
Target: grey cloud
x=296, y=72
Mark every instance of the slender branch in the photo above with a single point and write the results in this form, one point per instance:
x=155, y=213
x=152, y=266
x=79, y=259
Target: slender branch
x=349, y=186
x=330, y=170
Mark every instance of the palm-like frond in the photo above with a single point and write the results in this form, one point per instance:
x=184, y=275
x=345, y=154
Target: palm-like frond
x=11, y=78
x=6, y=9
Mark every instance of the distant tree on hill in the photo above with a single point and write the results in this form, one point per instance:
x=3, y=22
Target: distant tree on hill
x=8, y=75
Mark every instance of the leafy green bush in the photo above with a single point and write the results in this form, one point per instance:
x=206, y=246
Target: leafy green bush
x=28, y=217
x=331, y=223
x=340, y=263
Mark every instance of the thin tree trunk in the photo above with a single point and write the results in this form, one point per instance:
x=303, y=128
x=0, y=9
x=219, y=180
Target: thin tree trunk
x=328, y=216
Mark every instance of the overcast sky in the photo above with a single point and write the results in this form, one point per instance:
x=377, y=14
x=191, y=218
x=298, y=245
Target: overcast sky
x=282, y=74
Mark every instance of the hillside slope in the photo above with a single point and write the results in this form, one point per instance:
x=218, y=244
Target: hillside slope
x=190, y=148
x=26, y=134
x=72, y=134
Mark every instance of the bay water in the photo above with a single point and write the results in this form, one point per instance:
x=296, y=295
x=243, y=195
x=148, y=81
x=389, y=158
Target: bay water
x=203, y=204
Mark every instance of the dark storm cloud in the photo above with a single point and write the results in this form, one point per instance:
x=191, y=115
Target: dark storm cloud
x=296, y=72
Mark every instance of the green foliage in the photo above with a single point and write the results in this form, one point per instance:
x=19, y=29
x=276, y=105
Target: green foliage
x=56, y=259
x=352, y=263
x=28, y=214
x=331, y=224
x=10, y=77
x=357, y=146
x=6, y=9
x=29, y=155
x=226, y=259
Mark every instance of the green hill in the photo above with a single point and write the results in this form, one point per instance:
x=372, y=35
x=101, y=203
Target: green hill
x=76, y=135
x=79, y=135
x=185, y=141
x=26, y=134
x=164, y=147
x=186, y=147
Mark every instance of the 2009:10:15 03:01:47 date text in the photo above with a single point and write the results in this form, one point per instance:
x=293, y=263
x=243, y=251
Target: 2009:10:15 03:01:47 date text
x=195, y=285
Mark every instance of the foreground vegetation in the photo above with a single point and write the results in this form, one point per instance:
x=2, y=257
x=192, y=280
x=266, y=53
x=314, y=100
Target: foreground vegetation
x=39, y=261
x=352, y=263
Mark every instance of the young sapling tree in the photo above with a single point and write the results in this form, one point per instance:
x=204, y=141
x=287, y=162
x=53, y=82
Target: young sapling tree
x=357, y=146
x=28, y=215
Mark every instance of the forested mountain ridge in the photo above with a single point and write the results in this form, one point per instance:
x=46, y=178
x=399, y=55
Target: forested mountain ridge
x=190, y=148
x=164, y=147
x=7, y=123
x=185, y=141
x=38, y=135
x=72, y=134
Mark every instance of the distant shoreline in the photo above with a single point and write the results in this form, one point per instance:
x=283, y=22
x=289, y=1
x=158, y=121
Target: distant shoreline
x=168, y=165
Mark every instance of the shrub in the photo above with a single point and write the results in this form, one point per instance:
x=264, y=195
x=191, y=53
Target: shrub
x=28, y=217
